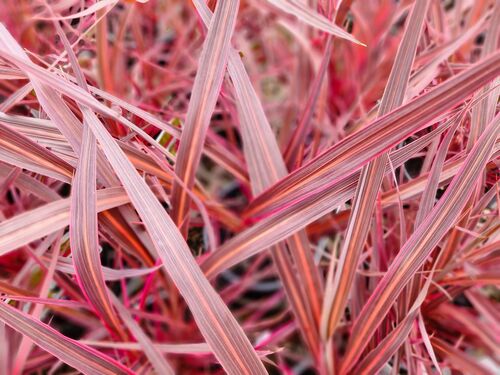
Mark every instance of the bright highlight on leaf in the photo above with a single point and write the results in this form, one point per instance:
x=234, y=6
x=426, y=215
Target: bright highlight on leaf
x=243, y=187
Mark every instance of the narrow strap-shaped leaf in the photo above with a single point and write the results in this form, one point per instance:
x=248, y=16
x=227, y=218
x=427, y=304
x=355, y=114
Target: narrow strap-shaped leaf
x=299, y=134
x=485, y=306
x=418, y=247
x=214, y=319
x=109, y=274
x=20, y=151
x=192, y=348
x=26, y=345
x=49, y=218
x=266, y=166
x=382, y=134
x=206, y=87
x=84, y=234
x=86, y=12
x=371, y=363
x=53, y=105
x=484, y=111
x=159, y=363
x=81, y=357
x=29, y=184
x=218, y=326
x=371, y=179
x=83, y=221
x=468, y=322
x=457, y=358
x=227, y=340
x=284, y=223
x=428, y=196
x=427, y=199
x=31, y=225
x=312, y=18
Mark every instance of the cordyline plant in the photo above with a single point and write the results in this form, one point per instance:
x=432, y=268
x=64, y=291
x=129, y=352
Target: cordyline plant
x=249, y=187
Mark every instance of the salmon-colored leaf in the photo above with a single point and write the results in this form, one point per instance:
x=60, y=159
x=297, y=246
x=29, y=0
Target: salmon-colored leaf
x=79, y=356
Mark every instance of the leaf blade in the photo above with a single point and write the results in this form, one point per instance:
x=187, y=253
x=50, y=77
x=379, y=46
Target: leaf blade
x=371, y=179
x=79, y=356
x=415, y=251
x=358, y=149
x=206, y=87
x=312, y=18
